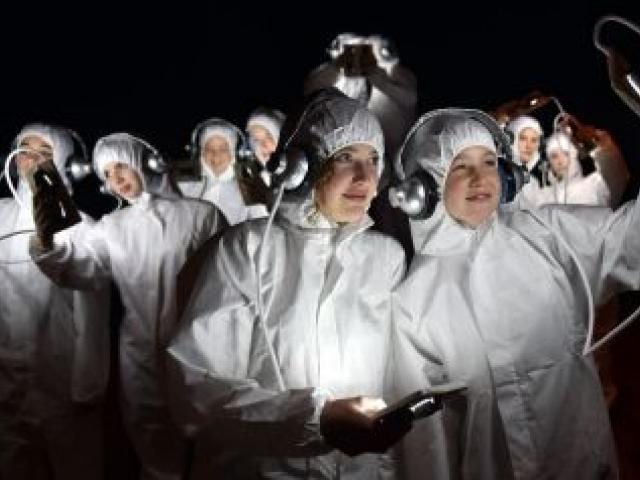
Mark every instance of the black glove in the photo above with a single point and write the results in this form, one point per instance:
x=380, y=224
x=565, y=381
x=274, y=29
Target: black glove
x=46, y=215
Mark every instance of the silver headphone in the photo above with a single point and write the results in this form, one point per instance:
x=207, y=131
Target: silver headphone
x=77, y=165
x=290, y=165
x=417, y=193
x=151, y=159
x=244, y=152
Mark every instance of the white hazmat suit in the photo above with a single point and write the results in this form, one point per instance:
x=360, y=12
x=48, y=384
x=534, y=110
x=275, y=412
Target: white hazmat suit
x=536, y=167
x=572, y=188
x=222, y=190
x=326, y=303
x=54, y=351
x=142, y=248
x=503, y=308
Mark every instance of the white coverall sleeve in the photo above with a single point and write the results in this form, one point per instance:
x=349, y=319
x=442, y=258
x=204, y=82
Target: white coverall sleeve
x=91, y=311
x=79, y=258
x=222, y=379
x=606, y=243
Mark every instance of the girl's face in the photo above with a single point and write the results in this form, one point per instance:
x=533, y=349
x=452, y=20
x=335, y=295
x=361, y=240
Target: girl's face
x=472, y=188
x=40, y=152
x=559, y=161
x=217, y=154
x=264, y=143
x=123, y=180
x=344, y=194
x=528, y=144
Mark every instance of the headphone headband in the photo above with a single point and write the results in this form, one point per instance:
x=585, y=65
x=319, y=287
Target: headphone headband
x=503, y=143
x=417, y=193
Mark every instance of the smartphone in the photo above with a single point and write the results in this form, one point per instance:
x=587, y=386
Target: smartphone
x=419, y=404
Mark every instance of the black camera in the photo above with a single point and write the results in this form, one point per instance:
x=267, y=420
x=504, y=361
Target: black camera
x=357, y=60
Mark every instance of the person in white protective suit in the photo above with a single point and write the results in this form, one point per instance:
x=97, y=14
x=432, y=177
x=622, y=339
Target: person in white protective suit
x=263, y=128
x=54, y=342
x=527, y=135
x=368, y=69
x=141, y=248
x=568, y=185
x=281, y=384
x=466, y=312
x=217, y=143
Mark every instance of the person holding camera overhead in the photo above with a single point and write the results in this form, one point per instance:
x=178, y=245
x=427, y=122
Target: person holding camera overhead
x=141, y=248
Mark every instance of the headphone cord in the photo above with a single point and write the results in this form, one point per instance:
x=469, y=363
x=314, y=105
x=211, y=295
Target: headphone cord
x=614, y=331
x=7, y=175
x=259, y=303
x=13, y=234
x=588, y=347
x=610, y=18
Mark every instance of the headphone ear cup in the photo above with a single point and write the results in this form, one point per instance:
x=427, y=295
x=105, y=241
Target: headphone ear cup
x=249, y=163
x=296, y=178
x=155, y=163
x=512, y=178
x=290, y=169
x=244, y=153
x=417, y=196
x=77, y=168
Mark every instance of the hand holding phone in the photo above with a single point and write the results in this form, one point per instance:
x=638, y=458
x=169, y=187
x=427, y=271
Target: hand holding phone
x=419, y=404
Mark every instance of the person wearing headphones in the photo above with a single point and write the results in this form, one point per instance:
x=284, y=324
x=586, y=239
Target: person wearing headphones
x=263, y=128
x=54, y=342
x=568, y=184
x=534, y=407
x=280, y=362
x=217, y=142
x=141, y=248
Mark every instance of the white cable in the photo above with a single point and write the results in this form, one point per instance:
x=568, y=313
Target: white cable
x=586, y=349
x=17, y=232
x=259, y=304
x=12, y=189
x=614, y=331
x=610, y=18
x=557, y=103
x=13, y=234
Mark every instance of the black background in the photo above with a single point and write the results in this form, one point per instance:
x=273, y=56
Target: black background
x=157, y=70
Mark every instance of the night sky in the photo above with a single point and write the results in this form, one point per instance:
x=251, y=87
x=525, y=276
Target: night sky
x=158, y=70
